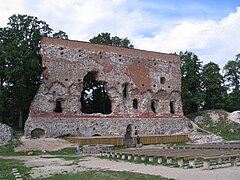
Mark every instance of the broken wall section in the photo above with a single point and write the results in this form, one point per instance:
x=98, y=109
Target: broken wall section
x=138, y=83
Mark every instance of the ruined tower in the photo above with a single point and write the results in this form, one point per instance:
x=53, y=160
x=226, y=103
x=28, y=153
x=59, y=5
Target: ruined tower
x=92, y=89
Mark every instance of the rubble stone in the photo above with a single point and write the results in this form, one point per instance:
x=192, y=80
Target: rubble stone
x=6, y=134
x=144, y=89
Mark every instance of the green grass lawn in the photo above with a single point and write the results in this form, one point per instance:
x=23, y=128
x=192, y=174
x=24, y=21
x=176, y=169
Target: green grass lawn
x=6, y=166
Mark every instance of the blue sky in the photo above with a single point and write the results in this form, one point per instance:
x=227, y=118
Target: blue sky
x=208, y=28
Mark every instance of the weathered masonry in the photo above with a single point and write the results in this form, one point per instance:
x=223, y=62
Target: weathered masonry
x=92, y=89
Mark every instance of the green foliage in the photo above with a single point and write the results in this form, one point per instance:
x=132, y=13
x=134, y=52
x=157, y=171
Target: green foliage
x=105, y=38
x=191, y=82
x=60, y=35
x=232, y=76
x=233, y=101
x=214, y=93
x=21, y=64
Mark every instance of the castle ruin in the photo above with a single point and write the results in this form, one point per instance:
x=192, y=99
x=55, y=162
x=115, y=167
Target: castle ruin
x=92, y=89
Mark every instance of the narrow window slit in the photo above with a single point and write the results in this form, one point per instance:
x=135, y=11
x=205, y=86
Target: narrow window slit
x=135, y=104
x=153, y=106
x=125, y=89
x=172, y=107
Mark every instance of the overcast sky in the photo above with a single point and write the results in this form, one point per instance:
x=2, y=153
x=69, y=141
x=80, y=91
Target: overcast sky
x=208, y=28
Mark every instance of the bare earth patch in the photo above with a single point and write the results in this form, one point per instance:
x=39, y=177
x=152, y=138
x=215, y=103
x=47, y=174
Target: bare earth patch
x=48, y=144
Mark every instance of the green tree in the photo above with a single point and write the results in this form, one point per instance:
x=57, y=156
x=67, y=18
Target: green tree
x=60, y=35
x=191, y=82
x=20, y=56
x=232, y=75
x=105, y=38
x=214, y=93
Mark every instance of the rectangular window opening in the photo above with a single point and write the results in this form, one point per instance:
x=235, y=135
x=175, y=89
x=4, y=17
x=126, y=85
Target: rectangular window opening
x=172, y=107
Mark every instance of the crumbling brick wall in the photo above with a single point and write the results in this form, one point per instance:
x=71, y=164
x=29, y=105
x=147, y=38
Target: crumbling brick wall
x=139, y=83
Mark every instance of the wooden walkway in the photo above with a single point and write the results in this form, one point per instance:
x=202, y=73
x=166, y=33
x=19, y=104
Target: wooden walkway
x=207, y=156
x=118, y=140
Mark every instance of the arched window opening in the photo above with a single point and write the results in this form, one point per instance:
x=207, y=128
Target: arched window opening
x=153, y=106
x=94, y=97
x=58, y=107
x=135, y=104
x=172, y=107
x=162, y=80
x=125, y=89
x=37, y=133
x=96, y=135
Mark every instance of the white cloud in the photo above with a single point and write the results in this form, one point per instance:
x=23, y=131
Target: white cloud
x=8, y=8
x=216, y=41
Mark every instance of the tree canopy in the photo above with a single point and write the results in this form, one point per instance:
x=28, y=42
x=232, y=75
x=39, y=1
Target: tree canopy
x=214, y=91
x=191, y=82
x=232, y=78
x=106, y=39
x=21, y=64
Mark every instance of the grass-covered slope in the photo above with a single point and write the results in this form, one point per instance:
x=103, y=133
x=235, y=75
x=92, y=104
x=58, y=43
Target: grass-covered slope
x=217, y=122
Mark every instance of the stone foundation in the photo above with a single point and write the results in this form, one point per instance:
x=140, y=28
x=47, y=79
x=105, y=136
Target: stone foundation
x=57, y=127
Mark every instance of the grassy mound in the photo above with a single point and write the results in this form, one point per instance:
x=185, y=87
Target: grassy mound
x=217, y=122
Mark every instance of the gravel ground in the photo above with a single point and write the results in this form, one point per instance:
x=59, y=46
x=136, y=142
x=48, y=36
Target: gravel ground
x=232, y=173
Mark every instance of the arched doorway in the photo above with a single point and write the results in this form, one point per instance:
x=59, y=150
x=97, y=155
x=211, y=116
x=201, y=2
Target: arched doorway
x=37, y=133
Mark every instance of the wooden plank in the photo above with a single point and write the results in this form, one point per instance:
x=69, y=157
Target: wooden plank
x=118, y=140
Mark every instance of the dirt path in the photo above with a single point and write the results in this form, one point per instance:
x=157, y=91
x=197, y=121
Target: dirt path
x=232, y=173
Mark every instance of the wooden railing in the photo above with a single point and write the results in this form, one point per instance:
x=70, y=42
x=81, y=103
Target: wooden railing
x=118, y=140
